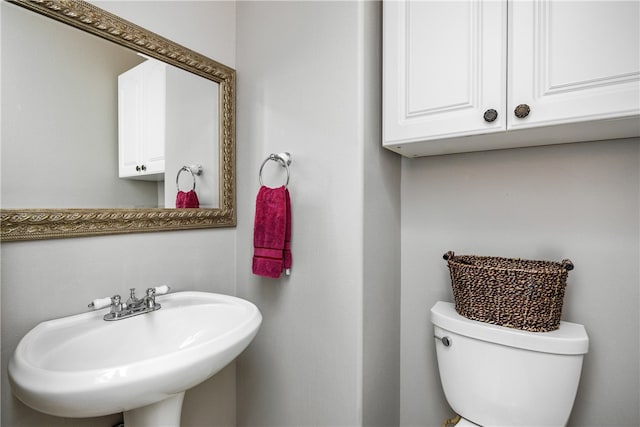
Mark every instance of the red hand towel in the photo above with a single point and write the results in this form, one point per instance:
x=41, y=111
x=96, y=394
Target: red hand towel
x=187, y=199
x=272, y=232
x=287, y=234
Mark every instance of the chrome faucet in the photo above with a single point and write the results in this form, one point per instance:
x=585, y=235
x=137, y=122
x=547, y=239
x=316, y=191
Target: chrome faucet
x=133, y=307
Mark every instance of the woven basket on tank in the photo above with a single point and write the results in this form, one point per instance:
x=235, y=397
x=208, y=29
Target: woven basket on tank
x=509, y=292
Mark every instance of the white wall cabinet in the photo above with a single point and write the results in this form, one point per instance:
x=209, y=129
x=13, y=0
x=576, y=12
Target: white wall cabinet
x=454, y=74
x=141, y=121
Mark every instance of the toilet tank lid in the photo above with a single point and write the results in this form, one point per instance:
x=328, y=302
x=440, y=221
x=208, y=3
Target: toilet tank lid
x=570, y=338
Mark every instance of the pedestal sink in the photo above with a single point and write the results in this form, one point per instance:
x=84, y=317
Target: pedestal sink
x=83, y=366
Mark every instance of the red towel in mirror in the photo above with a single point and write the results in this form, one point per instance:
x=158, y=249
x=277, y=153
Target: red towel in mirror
x=272, y=232
x=187, y=199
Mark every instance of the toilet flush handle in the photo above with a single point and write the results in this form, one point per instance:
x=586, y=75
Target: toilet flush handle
x=446, y=341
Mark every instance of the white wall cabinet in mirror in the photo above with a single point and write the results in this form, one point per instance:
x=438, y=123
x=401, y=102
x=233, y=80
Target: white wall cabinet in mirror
x=81, y=193
x=142, y=99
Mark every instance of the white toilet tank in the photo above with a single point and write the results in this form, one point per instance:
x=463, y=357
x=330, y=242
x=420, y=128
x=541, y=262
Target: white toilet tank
x=497, y=376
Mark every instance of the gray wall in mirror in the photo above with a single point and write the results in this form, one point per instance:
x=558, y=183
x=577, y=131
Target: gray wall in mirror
x=60, y=122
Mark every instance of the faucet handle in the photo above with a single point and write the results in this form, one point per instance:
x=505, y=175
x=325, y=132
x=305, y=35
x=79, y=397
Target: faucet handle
x=99, y=303
x=150, y=299
x=161, y=290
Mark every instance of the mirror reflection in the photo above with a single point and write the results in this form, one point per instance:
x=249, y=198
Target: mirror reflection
x=91, y=124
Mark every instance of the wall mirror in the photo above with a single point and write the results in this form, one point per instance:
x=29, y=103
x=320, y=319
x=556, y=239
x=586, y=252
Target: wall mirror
x=61, y=150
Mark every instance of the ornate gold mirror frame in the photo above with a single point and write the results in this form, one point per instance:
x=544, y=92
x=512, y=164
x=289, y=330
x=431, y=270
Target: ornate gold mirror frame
x=36, y=224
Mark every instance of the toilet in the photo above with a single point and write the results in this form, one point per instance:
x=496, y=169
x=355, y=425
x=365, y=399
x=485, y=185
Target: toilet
x=494, y=376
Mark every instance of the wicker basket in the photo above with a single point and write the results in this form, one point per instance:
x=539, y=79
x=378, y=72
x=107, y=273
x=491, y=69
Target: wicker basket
x=515, y=293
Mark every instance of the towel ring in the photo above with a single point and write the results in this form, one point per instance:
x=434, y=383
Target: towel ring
x=283, y=158
x=198, y=171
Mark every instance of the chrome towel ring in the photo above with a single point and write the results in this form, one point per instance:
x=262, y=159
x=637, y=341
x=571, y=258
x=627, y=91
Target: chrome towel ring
x=283, y=158
x=194, y=169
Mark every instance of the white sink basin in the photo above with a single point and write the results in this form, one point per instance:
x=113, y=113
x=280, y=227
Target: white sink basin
x=83, y=366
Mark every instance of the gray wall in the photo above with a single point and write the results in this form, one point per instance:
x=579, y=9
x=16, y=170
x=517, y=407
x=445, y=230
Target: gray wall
x=381, y=248
x=327, y=353
x=577, y=201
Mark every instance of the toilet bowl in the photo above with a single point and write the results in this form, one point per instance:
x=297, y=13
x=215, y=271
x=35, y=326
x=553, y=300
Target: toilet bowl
x=494, y=376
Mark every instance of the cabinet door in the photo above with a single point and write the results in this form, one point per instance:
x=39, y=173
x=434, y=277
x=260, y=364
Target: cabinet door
x=153, y=117
x=573, y=61
x=141, y=116
x=129, y=121
x=444, y=66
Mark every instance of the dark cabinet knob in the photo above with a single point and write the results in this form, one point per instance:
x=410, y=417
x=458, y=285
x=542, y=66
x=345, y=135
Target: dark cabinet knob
x=490, y=115
x=137, y=168
x=522, y=111
x=144, y=168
